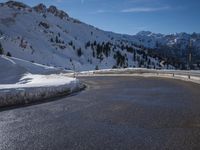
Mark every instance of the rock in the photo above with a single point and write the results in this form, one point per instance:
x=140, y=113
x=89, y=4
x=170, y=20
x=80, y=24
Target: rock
x=44, y=24
x=63, y=14
x=52, y=9
x=13, y=4
x=56, y=12
x=41, y=8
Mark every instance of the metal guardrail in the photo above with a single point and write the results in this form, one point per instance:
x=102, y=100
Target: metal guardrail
x=193, y=76
x=142, y=71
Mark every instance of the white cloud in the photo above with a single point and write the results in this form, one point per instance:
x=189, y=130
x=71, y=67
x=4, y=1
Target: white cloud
x=101, y=11
x=144, y=9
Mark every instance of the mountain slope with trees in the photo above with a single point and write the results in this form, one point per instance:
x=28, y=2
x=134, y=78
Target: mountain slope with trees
x=49, y=36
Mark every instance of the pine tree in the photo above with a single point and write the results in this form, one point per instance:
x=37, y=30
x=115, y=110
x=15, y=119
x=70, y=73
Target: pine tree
x=87, y=45
x=79, y=52
x=70, y=43
x=52, y=40
x=1, y=49
x=97, y=67
x=134, y=55
x=120, y=59
x=57, y=41
x=8, y=54
x=93, y=53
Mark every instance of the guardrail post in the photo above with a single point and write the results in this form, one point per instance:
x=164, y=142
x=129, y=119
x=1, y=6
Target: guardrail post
x=188, y=76
x=173, y=74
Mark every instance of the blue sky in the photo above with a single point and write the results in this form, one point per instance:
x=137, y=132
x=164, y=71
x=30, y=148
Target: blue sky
x=132, y=16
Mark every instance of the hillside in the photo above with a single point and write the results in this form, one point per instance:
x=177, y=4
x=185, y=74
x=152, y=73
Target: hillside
x=51, y=37
x=13, y=69
x=23, y=82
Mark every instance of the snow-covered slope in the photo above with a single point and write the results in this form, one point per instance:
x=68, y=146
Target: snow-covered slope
x=13, y=69
x=49, y=36
x=19, y=86
x=10, y=72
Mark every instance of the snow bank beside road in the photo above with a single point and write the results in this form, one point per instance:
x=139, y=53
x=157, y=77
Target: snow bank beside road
x=32, y=88
x=23, y=82
x=37, y=80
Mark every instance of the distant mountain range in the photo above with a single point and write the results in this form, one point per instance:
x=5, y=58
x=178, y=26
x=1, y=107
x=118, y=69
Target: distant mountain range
x=177, y=46
x=51, y=37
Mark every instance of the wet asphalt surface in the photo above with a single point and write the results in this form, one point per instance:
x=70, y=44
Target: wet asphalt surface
x=112, y=113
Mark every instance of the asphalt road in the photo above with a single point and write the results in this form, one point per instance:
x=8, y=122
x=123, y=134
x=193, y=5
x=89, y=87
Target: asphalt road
x=113, y=113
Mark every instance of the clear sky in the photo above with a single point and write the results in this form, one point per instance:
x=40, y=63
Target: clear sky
x=132, y=16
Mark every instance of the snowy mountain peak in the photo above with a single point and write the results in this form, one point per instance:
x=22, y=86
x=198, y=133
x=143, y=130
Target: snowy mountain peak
x=40, y=8
x=56, y=12
x=16, y=4
x=149, y=34
x=144, y=33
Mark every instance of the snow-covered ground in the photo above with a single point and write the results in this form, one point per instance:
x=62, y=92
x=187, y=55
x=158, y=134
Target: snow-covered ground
x=12, y=69
x=37, y=80
x=23, y=82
